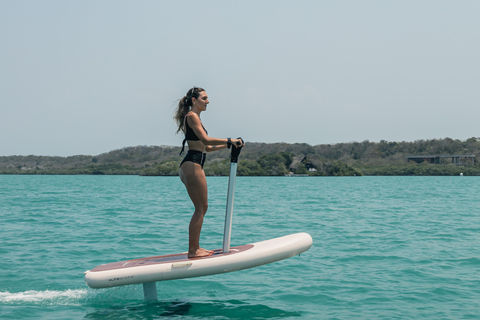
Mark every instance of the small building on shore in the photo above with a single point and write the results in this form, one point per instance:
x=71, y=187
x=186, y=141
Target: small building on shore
x=302, y=163
x=456, y=159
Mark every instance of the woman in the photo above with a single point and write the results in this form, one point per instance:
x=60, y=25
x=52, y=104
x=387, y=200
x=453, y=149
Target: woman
x=192, y=175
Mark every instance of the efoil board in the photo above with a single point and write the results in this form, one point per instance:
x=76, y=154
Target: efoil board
x=179, y=266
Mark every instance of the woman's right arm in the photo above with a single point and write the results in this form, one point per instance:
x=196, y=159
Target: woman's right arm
x=196, y=125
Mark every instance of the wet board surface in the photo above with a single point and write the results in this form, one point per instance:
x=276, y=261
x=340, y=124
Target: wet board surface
x=170, y=258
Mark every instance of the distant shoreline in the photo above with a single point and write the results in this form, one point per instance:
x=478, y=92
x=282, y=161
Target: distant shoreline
x=266, y=159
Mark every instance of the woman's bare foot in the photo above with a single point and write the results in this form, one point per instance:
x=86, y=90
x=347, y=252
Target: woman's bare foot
x=200, y=252
x=209, y=251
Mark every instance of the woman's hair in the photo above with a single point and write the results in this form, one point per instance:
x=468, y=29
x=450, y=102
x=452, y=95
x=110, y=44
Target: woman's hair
x=184, y=106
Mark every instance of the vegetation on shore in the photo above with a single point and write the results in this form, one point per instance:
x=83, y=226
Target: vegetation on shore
x=265, y=159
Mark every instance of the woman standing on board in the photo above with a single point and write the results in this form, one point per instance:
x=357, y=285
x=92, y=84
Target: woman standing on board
x=192, y=175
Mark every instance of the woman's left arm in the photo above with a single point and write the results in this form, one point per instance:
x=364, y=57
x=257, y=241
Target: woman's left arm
x=215, y=148
x=236, y=143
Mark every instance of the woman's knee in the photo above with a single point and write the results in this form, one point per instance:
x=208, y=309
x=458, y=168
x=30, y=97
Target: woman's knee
x=205, y=208
x=202, y=208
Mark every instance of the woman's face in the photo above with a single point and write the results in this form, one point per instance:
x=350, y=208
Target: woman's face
x=202, y=101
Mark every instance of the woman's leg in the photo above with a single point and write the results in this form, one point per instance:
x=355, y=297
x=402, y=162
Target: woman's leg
x=193, y=176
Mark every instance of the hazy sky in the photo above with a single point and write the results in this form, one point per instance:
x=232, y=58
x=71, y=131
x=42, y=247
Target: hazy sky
x=88, y=77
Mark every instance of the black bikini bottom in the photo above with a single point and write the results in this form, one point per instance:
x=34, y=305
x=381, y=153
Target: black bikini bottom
x=195, y=157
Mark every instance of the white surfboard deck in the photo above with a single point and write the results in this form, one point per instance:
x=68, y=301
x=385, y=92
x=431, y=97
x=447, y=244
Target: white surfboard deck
x=179, y=266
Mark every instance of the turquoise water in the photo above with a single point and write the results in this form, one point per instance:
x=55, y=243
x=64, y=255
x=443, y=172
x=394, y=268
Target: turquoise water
x=384, y=247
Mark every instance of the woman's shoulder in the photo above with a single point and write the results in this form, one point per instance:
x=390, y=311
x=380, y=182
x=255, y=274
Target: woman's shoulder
x=192, y=116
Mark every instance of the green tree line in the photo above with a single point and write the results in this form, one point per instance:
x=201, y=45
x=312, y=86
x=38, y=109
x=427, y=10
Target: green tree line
x=264, y=159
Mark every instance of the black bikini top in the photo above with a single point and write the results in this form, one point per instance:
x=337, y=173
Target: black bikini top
x=190, y=134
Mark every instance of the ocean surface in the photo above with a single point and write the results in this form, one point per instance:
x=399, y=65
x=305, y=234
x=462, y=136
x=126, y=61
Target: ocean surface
x=383, y=247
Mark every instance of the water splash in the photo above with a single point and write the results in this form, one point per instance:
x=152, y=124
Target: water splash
x=49, y=296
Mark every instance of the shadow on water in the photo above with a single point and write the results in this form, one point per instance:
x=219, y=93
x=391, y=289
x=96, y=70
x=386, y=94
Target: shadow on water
x=228, y=309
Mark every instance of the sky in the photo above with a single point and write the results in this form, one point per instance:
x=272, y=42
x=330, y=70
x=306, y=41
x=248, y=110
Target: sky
x=88, y=77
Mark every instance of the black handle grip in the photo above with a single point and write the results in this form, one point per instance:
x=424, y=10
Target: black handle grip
x=235, y=152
